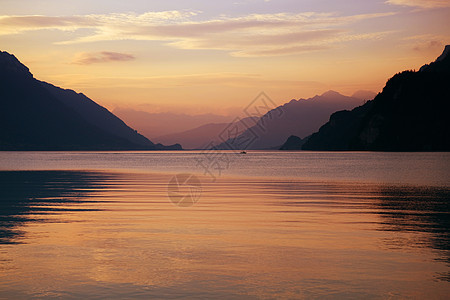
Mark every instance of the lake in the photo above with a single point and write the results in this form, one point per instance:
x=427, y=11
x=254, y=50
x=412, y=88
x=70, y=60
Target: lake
x=191, y=224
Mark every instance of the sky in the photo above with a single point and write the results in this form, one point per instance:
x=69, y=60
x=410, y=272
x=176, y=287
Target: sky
x=203, y=56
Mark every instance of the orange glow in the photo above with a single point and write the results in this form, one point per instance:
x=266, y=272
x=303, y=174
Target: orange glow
x=197, y=59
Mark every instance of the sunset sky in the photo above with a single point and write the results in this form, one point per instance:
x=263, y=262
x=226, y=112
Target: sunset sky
x=198, y=56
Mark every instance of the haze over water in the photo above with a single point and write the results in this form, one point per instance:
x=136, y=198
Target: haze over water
x=272, y=225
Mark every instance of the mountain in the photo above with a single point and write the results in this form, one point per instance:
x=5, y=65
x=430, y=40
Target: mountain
x=153, y=125
x=336, y=134
x=203, y=136
x=364, y=95
x=39, y=116
x=410, y=114
x=293, y=143
x=297, y=117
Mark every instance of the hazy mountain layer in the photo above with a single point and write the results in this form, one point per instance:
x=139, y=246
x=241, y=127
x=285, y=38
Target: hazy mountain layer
x=202, y=137
x=298, y=117
x=39, y=116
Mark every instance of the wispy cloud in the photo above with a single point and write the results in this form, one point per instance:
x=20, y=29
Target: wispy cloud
x=86, y=58
x=431, y=45
x=250, y=35
x=18, y=24
x=176, y=81
x=427, y=42
x=421, y=3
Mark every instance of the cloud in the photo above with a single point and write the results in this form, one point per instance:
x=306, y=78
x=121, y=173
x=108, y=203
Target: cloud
x=175, y=81
x=431, y=45
x=85, y=58
x=421, y=3
x=427, y=42
x=249, y=35
x=18, y=24
x=280, y=51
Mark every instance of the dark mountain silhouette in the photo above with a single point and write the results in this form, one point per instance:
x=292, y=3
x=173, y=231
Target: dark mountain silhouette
x=203, y=136
x=36, y=115
x=410, y=114
x=153, y=125
x=297, y=117
x=335, y=134
x=293, y=143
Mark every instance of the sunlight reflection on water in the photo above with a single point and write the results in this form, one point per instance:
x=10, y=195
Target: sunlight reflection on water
x=117, y=234
x=289, y=225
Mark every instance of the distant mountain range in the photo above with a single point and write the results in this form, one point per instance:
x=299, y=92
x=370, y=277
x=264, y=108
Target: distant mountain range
x=155, y=125
x=35, y=115
x=203, y=136
x=298, y=117
x=410, y=114
x=199, y=131
x=364, y=95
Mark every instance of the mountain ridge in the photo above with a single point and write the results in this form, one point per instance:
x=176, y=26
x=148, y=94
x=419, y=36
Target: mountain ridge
x=410, y=114
x=299, y=117
x=203, y=136
x=154, y=125
x=36, y=115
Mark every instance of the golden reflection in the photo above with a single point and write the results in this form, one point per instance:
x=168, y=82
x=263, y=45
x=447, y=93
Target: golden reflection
x=263, y=238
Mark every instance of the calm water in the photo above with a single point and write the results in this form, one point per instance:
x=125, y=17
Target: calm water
x=266, y=225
